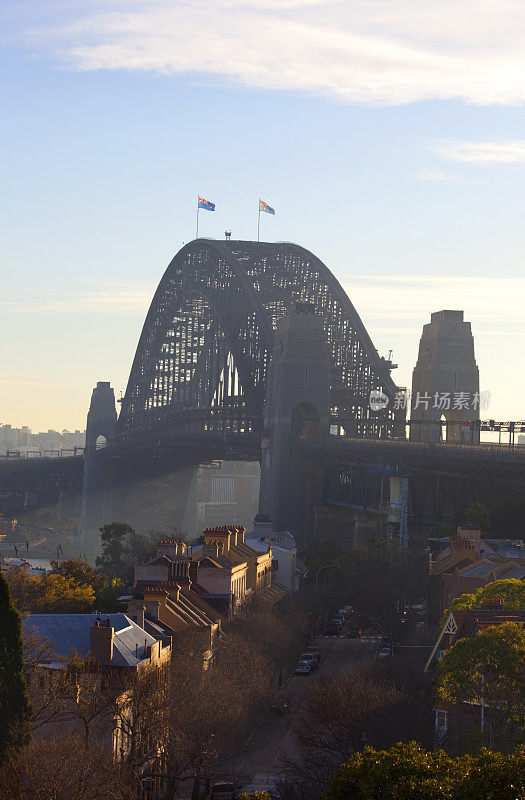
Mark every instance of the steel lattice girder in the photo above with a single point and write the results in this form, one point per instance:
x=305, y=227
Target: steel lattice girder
x=208, y=338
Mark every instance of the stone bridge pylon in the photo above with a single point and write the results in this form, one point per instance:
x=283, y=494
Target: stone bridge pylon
x=445, y=382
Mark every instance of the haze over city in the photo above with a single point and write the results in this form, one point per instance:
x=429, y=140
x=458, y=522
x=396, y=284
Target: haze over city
x=407, y=182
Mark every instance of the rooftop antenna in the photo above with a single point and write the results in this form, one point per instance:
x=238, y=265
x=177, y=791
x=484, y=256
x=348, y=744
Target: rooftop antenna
x=228, y=235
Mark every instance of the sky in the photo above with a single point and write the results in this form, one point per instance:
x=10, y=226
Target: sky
x=389, y=136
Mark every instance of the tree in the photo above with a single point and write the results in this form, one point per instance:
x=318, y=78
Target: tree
x=106, y=589
x=509, y=593
x=372, y=704
x=114, y=549
x=15, y=710
x=256, y=796
x=487, y=670
x=279, y=637
x=121, y=547
x=77, y=570
x=48, y=593
x=479, y=514
x=62, y=768
x=408, y=772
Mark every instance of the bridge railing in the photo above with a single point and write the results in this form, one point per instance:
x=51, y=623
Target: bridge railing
x=28, y=455
x=485, y=451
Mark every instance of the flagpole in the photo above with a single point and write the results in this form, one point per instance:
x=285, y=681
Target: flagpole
x=259, y=221
x=197, y=232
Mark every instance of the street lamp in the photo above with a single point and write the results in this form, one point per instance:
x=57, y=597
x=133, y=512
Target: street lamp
x=327, y=566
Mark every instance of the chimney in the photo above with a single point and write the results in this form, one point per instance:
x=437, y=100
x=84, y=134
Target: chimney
x=140, y=615
x=152, y=607
x=168, y=547
x=194, y=572
x=101, y=642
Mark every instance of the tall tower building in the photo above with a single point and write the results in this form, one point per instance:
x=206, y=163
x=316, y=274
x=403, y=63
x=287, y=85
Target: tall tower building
x=445, y=382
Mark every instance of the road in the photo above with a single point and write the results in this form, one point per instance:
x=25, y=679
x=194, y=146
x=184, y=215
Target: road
x=274, y=739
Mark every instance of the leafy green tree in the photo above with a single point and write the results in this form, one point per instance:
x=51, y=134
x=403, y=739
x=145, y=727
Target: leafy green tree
x=408, y=772
x=479, y=514
x=113, y=560
x=509, y=593
x=15, y=710
x=487, y=670
x=77, y=570
x=106, y=589
x=48, y=593
x=121, y=547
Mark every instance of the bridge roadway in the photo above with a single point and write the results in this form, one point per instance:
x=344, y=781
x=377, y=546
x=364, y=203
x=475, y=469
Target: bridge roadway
x=170, y=448
x=410, y=455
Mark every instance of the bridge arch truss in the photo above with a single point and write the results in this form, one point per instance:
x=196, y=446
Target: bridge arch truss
x=203, y=354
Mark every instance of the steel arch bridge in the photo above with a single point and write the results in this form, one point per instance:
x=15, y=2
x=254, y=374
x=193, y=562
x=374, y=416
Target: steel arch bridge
x=203, y=355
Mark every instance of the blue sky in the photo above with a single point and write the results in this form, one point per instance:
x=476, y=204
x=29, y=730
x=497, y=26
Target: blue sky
x=388, y=135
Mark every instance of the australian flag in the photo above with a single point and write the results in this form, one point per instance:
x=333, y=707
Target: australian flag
x=206, y=205
x=265, y=207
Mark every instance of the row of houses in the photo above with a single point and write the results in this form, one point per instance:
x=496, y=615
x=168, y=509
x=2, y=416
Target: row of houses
x=466, y=562
x=184, y=594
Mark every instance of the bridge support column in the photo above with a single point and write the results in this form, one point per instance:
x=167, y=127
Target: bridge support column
x=97, y=488
x=445, y=382
x=297, y=406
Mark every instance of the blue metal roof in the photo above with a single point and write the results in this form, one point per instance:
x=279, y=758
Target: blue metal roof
x=70, y=634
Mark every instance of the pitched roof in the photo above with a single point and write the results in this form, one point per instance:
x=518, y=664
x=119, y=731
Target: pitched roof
x=70, y=633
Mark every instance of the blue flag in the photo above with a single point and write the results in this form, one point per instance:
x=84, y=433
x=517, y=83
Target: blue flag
x=206, y=205
x=265, y=207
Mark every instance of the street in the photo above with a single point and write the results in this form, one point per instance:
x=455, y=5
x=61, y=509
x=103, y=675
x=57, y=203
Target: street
x=273, y=739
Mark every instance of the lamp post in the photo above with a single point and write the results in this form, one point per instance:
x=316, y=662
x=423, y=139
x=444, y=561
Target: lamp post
x=326, y=566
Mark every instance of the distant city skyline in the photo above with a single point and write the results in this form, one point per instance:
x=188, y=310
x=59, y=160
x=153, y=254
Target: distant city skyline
x=388, y=137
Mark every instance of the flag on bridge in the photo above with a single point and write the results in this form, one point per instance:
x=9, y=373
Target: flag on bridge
x=207, y=206
x=267, y=210
x=265, y=207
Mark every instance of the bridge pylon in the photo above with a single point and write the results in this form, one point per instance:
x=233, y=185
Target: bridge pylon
x=445, y=382
x=297, y=406
x=97, y=488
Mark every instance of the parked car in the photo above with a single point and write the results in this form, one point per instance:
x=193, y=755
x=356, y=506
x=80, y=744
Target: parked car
x=338, y=621
x=342, y=613
x=311, y=658
x=384, y=652
x=353, y=632
x=303, y=668
x=315, y=650
x=223, y=791
x=349, y=609
x=332, y=629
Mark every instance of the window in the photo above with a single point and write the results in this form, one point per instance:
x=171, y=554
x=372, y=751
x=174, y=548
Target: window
x=441, y=720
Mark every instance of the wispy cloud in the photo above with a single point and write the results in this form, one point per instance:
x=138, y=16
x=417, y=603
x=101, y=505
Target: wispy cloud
x=505, y=152
x=111, y=297
x=384, y=52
